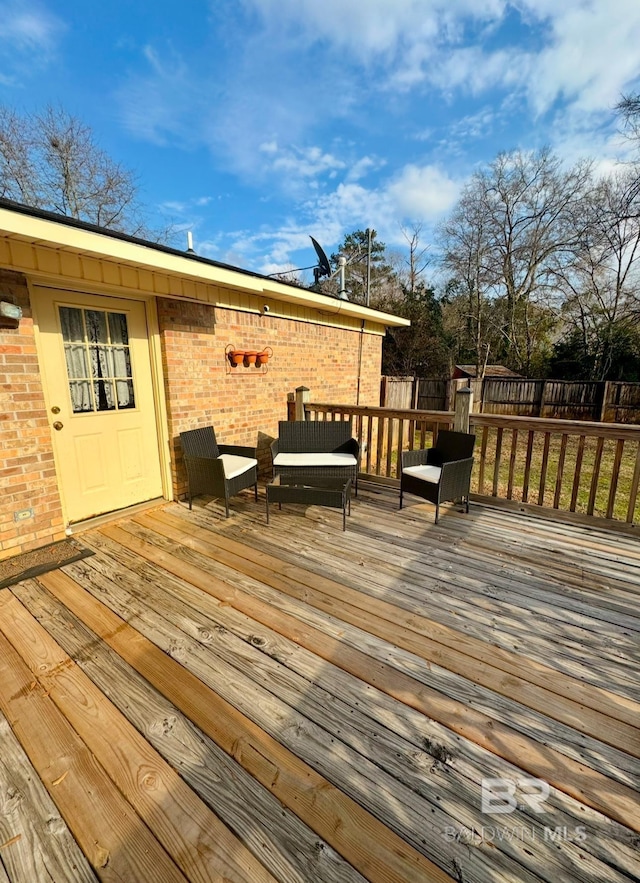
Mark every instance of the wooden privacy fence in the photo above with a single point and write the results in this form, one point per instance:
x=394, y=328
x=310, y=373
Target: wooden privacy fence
x=587, y=468
x=602, y=401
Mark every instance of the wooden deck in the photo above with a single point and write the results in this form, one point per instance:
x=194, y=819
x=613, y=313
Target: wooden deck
x=211, y=699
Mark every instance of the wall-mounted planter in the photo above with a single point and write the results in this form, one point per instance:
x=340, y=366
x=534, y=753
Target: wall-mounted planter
x=236, y=357
x=248, y=359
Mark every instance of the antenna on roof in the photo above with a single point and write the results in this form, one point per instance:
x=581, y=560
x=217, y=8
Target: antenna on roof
x=190, y=243
x=324, y=267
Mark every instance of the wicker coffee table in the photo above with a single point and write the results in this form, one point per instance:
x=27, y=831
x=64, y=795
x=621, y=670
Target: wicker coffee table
x=313, y=491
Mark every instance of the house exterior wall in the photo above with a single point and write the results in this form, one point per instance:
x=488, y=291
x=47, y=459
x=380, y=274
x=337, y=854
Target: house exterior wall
x=245, y=404
x=27, y=468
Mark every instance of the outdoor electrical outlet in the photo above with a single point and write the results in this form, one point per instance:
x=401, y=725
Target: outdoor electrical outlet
x=23, y=514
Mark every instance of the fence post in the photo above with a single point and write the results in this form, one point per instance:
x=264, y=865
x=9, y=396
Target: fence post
x=302, y=397
x=463, y=405
x=543, y=390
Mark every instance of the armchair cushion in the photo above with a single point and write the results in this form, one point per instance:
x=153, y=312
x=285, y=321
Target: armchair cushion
x=234, y=466
x=425, y=473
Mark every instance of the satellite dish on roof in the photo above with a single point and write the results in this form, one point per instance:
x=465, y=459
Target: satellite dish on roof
x=324, y=267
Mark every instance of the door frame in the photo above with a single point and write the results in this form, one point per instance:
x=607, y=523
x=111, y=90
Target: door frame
x=155, y=360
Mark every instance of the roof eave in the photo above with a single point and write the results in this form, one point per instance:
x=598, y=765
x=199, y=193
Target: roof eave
x=79, y=239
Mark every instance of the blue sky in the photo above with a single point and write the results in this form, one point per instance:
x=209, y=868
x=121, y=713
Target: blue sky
x=256, y=123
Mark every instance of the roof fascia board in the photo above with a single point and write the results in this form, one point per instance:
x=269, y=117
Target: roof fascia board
x=48, y=232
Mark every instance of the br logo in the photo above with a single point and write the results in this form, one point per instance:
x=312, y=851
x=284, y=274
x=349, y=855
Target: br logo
x=501, y=796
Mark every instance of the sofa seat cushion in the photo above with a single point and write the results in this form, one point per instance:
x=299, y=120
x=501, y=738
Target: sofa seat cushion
x=425, y=473
x=234, y=465
x=309, y=460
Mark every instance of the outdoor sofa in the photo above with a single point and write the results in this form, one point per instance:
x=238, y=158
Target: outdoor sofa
x=315, y=448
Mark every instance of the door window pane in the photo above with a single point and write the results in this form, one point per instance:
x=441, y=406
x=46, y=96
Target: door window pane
x=118, y=328
x=96, y=323
x=98, y=359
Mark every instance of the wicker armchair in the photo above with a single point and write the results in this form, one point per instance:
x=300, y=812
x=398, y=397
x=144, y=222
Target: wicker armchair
x=440, y=473
x=315, y=448
x=218, y=470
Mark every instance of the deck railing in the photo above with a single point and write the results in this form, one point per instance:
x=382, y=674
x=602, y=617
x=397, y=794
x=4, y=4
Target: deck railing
x=591, y=469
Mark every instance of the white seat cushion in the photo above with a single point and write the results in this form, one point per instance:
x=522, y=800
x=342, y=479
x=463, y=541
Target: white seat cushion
x=426, y=473
x=234, y=465
x=284, y=459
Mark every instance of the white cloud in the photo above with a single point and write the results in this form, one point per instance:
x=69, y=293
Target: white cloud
x=28, y=29
x=29, y=36
x=363, y=167
x=379, y=28
x=163, y=104
x=300, y=163
x=593, y=54
x=417, y=193
x=422, y=193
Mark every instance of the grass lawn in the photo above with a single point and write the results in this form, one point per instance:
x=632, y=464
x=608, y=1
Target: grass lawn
x=625, y=475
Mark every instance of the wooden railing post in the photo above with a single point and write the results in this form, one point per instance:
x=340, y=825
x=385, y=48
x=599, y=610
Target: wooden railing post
x=302, y=397
x=463, y=405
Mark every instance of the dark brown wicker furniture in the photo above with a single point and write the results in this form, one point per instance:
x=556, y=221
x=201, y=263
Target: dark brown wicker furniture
x=318, y=448
x=440, y=473
x=218, y=470
x=312, y=490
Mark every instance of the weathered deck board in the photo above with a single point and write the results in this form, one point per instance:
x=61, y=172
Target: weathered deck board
x=407, y=763
x=189, y=831
x=338, y=699
x=419, y=592
x=579, y=705
x=287, y=848
x=386, y=668
x=446, y=780
x=370, y=846
x=116, y=842
x=35, y=842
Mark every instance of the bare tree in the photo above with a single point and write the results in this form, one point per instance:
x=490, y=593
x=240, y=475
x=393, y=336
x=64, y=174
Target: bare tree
x=602, y=284
x=466, y=256
x=514, y=225
x=629, y=108
x=51, y=161
x=418, y=259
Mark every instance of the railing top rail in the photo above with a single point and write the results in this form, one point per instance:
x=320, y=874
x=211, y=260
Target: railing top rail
x=538, y=424
x=405, y=413
x=565, y=427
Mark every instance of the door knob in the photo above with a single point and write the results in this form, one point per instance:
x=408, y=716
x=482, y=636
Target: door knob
x=57, y=425
x=55, y=410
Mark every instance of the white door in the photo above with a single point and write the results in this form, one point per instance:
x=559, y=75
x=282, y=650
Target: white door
x=96, y=364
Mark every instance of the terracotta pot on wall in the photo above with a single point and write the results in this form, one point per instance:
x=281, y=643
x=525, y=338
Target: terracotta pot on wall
x=250, y=359
x=236, y=357
x=262, y=358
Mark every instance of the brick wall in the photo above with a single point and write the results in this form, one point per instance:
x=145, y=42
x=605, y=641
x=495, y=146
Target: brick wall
x=244, y=404
x=26, y=454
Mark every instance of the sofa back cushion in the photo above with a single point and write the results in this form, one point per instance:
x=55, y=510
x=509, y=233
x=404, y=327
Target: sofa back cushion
x=314, y=436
